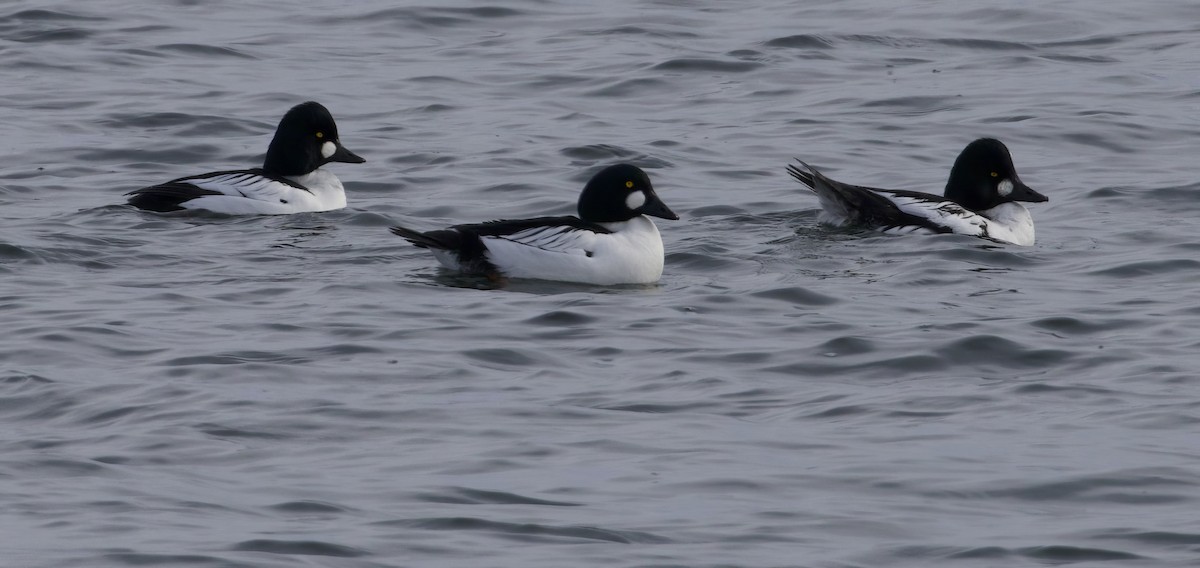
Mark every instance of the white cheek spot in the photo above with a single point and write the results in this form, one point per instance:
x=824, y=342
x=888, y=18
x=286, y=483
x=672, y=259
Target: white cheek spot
x=327, y=149
x=1005, y=187
x=635, y=200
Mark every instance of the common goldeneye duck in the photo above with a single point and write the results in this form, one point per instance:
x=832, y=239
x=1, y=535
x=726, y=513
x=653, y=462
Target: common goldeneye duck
x=290, y=180
x=980, y=199
x=611, y=242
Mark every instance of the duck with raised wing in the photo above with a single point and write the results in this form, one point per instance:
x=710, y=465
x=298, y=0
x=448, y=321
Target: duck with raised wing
x=981, y=199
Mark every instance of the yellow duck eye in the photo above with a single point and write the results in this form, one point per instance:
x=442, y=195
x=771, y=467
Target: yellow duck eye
x=994, y=174
x=322, y=135
x=629, y=184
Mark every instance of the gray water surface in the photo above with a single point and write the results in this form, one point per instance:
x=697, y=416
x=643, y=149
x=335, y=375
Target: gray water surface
x=206, y=391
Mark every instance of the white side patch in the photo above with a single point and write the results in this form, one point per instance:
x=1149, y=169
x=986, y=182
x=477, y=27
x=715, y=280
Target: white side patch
x=635, y=200
x=947, y=214
x=328, y=148
x=1005, y=187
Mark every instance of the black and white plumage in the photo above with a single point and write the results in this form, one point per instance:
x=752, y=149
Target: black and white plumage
x=290, y=180
x=981, y=199
x=611, y=242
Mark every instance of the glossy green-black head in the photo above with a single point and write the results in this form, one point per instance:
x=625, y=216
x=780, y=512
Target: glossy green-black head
x=306, y=139
x=620, y=193
x=983, y=177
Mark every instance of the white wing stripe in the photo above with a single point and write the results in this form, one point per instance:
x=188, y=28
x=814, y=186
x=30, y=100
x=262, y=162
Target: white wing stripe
x=554, y=239
x=944, y=213
x=248, y=184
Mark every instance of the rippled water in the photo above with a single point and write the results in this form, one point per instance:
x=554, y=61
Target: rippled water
x=310, y=391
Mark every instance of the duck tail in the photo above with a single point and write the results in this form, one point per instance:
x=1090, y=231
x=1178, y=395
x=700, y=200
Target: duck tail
x=417, y=238
x=840, y=202
x=802, y=176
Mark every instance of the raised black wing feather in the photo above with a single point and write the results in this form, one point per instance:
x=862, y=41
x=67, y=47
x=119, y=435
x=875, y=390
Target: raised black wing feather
x=865, y=205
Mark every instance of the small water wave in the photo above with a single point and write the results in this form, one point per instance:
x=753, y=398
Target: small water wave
x=203, y=51
x=1175, y=539
x=45, y=15
x=700, y=65
x=1148, y=268
x=183, y=124
x=48, y=36
x=176, y=154
x=193, y=560
x=664, y=32
x=468, y=496
x=308, y=508
x=1139, y=486
x=631, y=87
x=299, y=548
x=530, y=532
x=801, y=41
x=429, y=17
x=1054, y=553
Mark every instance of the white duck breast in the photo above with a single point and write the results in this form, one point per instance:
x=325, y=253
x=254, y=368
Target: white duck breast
x=632, y=253
x=245, y=193
x=1010, y=222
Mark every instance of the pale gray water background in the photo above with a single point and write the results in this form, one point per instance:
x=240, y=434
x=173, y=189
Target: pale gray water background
x=310, y=391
